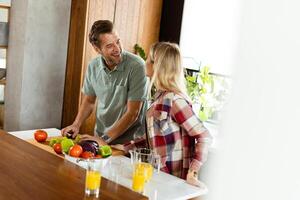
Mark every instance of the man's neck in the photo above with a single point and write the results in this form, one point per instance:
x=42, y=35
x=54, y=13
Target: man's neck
x=110, y=66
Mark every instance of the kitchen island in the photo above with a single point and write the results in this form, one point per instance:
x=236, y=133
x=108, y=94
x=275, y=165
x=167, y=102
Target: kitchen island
x=162, y=186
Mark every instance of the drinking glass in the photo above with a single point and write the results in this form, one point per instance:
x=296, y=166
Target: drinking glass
x=146, y=159
x=138, y=178
x=92, y=179
x=115, y=169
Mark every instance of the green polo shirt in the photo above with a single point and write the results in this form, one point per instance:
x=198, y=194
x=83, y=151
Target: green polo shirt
x=113, y=89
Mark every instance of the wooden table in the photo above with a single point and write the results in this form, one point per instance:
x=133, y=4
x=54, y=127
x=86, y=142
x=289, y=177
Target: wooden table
x=162, y=186
x=28, y=172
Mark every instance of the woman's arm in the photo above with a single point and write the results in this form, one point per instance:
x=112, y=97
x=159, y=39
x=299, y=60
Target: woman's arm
x=183, y=114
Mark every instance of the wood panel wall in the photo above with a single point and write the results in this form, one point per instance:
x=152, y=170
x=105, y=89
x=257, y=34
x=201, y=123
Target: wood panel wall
x=126, y=22
x=136, y=21
x=149, y=23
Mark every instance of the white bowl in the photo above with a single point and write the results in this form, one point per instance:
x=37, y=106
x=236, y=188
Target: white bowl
x=100, y=162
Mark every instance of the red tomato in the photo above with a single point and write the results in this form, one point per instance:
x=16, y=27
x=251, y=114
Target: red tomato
x=57, y=148
x=40, y=135
x=98, y=156
x=87, y=154
x=75, y=150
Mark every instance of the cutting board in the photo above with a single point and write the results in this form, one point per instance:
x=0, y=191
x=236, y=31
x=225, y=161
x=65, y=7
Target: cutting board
x=45, y=146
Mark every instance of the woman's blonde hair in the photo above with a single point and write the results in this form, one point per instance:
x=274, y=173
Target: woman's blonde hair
x=168, y=74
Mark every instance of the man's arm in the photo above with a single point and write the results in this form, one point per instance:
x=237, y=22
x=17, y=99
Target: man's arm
x=129, y=117
x=85, y=109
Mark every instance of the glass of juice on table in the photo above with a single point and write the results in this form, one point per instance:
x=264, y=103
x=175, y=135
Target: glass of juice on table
x=138, y=178
x=145, y=159
x=92, y=179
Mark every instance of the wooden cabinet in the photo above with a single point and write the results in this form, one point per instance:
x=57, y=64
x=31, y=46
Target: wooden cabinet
x=136, y=21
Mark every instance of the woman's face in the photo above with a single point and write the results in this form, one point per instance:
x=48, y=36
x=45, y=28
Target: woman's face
x=149, y=67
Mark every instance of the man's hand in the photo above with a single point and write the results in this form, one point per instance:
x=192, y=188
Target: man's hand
x=70, y=131
x=95, y=138
x=85, y=109
x=192, y=178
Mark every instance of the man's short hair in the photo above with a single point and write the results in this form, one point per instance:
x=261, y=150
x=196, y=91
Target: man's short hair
x=99, y=27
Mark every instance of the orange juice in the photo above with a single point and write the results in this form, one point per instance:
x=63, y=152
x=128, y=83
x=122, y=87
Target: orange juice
x=138, y=182
x=148, y=170
x=93, y=180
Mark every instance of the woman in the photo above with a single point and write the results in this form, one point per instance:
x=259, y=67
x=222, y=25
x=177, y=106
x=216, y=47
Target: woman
x=174, y=131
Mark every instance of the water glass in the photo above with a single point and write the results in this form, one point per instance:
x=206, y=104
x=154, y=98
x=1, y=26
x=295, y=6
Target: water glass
x=115, y=169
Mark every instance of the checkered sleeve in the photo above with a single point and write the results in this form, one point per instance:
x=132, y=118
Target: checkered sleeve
x=137, y=143
x=184, y=115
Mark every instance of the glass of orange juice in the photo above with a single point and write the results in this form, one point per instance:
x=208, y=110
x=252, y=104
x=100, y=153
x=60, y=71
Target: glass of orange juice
x=147, y=167
x=147, y=160
x=139, y=178
x=92, y=179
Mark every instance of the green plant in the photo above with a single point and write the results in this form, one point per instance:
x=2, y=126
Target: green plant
x=199, y=88
x=208, y=92
x=140, y=51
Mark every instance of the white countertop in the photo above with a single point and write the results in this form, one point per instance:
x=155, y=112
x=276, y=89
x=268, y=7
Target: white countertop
x=118, y=169
x=26, y=135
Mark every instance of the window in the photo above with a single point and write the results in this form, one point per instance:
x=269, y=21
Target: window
x=209, y=35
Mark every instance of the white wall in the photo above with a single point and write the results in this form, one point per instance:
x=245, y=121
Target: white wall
x=259, y=157
x=36, y=65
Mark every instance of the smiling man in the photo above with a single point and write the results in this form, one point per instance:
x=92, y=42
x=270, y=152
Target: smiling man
x=116, y=79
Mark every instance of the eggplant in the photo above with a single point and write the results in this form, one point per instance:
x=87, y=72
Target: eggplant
x=89, y=145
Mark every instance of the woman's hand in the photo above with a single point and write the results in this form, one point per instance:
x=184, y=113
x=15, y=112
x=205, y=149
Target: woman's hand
x=118, y=147
x=95, y=138
x=192, y=178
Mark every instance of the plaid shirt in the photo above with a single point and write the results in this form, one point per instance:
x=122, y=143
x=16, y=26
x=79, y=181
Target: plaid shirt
x=176, y=134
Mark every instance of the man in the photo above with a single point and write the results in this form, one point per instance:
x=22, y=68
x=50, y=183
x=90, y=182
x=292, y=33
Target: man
x=117, y=80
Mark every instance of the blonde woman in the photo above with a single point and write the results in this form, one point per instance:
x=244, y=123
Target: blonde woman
x=173, y=129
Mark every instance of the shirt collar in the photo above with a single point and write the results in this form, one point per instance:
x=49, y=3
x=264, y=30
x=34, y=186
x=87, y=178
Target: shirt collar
x=119, y=67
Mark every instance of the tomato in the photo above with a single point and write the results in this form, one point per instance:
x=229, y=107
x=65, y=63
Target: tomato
x=40, y=135
x=57, y=148
x=87, y=154
x=98, y=156
x=75, y=150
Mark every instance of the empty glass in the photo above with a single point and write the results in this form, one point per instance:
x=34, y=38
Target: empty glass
x=115, y=169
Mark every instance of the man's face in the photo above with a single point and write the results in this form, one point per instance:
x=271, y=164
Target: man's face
x=110, y=48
